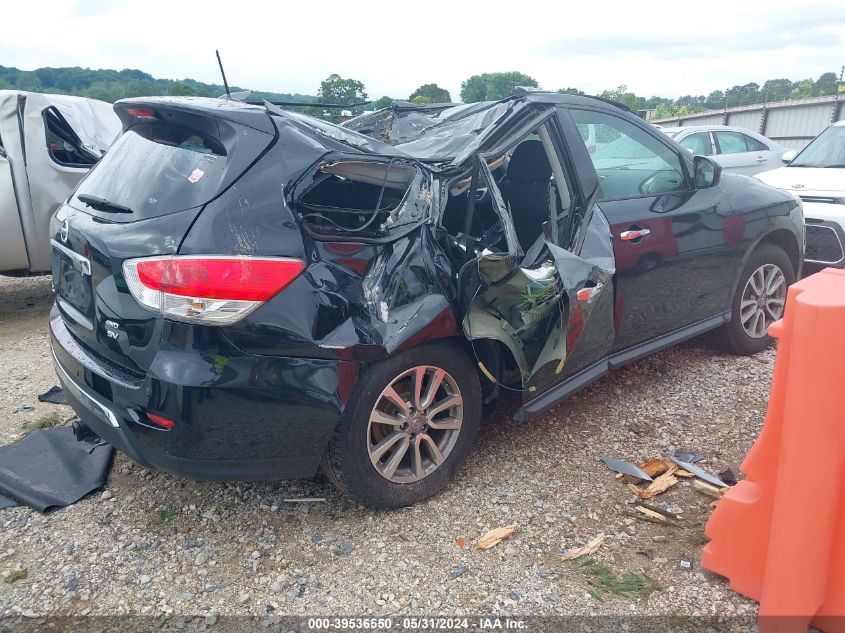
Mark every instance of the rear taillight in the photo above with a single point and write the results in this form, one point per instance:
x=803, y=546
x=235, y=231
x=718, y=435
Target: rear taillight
x=208, y=289
x=141, y=113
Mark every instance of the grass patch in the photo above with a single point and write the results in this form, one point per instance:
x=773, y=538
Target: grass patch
x=166, y=516
x=44, y=422
x=603, y=580
x=18, y=574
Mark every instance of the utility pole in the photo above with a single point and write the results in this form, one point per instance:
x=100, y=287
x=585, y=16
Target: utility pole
x=834, y=112
x=764, y=114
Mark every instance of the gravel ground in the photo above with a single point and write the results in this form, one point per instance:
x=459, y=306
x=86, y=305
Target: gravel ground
x=156, y=544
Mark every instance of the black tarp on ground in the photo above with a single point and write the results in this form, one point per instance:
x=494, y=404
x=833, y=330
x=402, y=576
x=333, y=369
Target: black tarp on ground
x=54, y=395
x=50, y=468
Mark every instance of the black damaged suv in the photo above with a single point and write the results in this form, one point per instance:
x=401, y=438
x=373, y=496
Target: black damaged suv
x=247, y=293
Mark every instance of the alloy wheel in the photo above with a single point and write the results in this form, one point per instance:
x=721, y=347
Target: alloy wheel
x=763, y=300
x=415, y=424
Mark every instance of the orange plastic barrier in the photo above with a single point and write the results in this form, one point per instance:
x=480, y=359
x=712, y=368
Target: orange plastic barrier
x=779, y=536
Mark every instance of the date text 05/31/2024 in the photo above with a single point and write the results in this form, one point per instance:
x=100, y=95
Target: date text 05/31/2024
x=415, y=624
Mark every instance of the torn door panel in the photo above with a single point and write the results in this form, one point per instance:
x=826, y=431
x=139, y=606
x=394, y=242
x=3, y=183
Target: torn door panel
x=524, y=309
x=589, y=281
x=552, y=314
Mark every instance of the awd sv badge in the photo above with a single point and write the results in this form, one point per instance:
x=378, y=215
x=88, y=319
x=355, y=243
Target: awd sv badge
x=112, y=329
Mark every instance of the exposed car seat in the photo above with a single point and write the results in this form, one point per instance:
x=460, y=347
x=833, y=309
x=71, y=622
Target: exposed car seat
x=526, y=188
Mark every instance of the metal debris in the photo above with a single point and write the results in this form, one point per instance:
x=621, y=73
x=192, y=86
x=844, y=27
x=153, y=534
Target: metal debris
x=690, y=456
x=626, y=468
x=701, y=474
x=728, y=477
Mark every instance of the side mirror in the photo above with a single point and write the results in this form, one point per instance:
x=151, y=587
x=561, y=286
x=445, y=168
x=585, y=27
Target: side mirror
x=788, y=157
x=707, y=172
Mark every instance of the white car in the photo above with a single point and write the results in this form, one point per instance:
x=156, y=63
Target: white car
x=737, y=150
x=816, y=174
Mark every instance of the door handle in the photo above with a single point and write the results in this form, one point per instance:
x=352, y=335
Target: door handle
x=760, y=159
x=634, y=234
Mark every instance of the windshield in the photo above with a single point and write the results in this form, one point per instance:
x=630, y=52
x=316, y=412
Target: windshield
x=154, y=169
x=826, y=150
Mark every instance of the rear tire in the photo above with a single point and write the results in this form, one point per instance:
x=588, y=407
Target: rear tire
x=386, y=407
x=759, y=300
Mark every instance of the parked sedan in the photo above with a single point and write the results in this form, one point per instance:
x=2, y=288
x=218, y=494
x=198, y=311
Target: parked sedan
x=816, y=174
x=737, y=150
x=248, y=293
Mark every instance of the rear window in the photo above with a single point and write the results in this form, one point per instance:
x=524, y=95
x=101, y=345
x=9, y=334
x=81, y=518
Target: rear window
x=155, y=168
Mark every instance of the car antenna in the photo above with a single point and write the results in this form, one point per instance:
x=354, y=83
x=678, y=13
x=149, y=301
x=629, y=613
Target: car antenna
x=222, y=72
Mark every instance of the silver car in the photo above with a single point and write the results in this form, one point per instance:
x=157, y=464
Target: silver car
x=736, y=149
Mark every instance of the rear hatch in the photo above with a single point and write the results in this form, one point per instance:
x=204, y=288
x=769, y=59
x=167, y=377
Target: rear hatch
x=174, y=156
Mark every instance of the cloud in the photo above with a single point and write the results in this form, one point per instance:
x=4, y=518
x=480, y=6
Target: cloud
x=395, y=47
x=814, y=30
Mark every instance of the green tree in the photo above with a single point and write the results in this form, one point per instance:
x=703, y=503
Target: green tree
x=776, y=89
x=336, y=89
x=432, y=93
x=715, y=100
x=622, y=95
x=494, y=86
x=181, y=89
x=693, y=103
x=743, y=95
x=826, y=84
x=653, y=102
x=802, y=89
x=663, y=111
x=383, y=102
x=141, y=89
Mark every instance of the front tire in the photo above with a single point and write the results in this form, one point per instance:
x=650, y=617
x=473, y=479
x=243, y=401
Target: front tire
x=408, y=427
x=759, y=300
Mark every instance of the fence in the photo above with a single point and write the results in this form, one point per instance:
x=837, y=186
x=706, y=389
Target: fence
x=793, y=124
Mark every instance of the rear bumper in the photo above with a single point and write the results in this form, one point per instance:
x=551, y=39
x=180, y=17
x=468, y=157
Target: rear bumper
x=237, y=416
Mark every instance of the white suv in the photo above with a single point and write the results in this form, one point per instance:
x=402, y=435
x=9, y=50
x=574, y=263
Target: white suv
x=816, y=174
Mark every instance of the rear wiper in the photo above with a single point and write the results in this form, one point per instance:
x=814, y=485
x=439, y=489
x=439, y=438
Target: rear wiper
x=834, y=166
x=101, y=204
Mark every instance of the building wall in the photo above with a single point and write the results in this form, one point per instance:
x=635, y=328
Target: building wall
x=793, y=124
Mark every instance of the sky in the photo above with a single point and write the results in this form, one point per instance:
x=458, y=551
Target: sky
x=664, y=49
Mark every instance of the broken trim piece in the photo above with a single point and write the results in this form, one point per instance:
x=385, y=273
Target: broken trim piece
x=390, y=175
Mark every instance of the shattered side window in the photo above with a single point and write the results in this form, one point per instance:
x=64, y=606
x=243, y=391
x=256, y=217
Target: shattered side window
x=363, y=198
x=63, y=144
